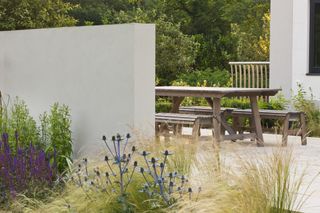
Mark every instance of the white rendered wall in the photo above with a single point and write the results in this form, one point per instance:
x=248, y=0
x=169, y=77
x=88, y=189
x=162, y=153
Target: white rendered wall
x=289, y=51
x=105, y=74
x=300, y=51
x=281, y=45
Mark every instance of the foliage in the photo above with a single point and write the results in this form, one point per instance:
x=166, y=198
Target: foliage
x=19, y=124
x=23, y=170
x=206, y=21
x=191, y=35
x=23, y=125
x=208, y=77
x=55, y=131
x=163, y=105
x=276, y=103
x=250, y=26
x=304, y=102
x=30, y=14
x=53, y=134
x=175, y=51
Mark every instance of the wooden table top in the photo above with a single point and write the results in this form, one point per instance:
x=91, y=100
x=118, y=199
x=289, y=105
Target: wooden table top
x=217, y=92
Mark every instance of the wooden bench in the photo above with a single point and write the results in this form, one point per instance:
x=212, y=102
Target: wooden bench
x=164, y=120
x=202, y=110
x=283, y=115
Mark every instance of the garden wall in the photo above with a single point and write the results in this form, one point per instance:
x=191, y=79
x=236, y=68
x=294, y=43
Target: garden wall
x=105, y=74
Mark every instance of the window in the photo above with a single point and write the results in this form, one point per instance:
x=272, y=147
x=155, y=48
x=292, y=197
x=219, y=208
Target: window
x=314, y=37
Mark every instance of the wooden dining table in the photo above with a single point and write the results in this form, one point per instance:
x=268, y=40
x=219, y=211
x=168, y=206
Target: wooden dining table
x=213, y=96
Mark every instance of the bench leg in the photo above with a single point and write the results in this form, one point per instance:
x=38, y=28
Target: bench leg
x=216, y=122
x=157, y=130
x=236, y=123
x=164, y=130
x=196, y=130
x=223, y=129
x=177, y=129
x=252, y=127
x=285, y=130
x=303, y=129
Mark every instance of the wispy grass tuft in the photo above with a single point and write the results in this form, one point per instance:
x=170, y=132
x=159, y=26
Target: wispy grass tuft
x=268, y=184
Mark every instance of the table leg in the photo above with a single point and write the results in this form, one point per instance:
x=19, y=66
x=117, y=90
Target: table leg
x=209, y=101
x=216, y=121
x=257, y=120
x=176, y=101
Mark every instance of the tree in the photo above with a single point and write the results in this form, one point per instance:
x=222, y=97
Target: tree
x=29, y=14
x=175, y=51
x=206, y=21
x=191, y=34
x=251, y=28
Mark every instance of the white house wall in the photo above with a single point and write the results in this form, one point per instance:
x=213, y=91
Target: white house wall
x=105, y=74
x=289, y=51
x=300, y=51
x=281, y=45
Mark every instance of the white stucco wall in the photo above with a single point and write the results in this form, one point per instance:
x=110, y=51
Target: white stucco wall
x=289, y=51
x=105, y=74
x=300, y=51
x=281, y=45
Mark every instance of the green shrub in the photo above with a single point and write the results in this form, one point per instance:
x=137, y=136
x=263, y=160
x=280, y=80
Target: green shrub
x=53, y=135
x=19, y=124
x=302, y=103
x=56, y=134
x=207, y=77
x=276, y=103
x=163, y=105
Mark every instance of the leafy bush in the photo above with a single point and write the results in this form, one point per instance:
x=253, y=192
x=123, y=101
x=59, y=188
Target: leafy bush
x=163, y=105
x=276, y=103
x=53, y=134
x=208, y=77
x=24, y=170
x=20, y=126
x=175, y=51
x=31, y=14
x=302, y=103
x=56, y=134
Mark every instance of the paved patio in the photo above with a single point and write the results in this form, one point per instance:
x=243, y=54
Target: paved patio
x=306, y=158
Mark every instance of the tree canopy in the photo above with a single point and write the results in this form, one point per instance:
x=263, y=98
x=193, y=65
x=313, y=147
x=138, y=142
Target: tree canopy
x=192, y=35
x=30, y=14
